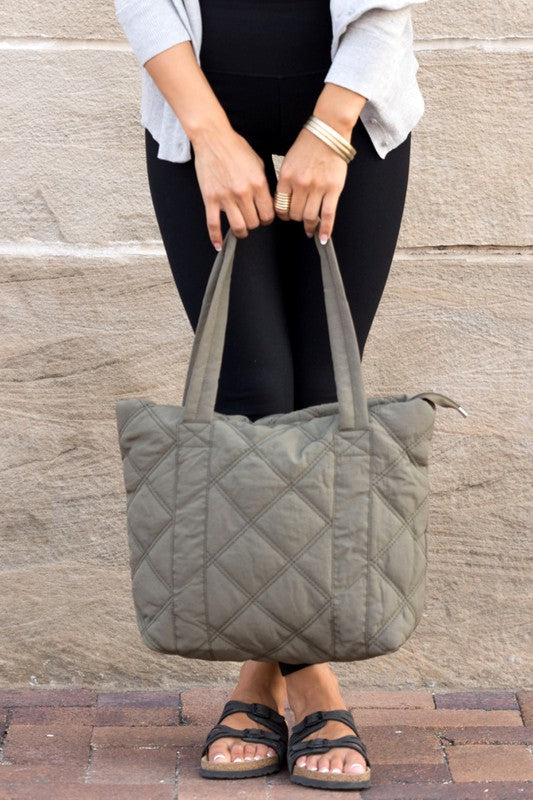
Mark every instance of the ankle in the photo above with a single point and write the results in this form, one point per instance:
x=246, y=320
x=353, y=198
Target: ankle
x=261, y=682
x=314, y=688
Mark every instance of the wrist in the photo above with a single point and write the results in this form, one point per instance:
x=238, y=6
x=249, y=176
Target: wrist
x=340, y=108
x=204, y=129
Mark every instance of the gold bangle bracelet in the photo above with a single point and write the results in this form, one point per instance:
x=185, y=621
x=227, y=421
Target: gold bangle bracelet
x=340, y=145
x=332, y=132
x=331, y=137
x=333, y=143
x=327, y=141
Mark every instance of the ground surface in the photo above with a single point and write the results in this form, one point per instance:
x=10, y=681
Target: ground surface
x=69, y=744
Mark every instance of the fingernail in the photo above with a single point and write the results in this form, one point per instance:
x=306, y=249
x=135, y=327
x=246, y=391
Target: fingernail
x=323, y=238
x=218, y=246
x=310, y=235
x=221, y=756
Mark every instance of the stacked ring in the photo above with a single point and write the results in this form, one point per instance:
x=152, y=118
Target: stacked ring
x=282, y=201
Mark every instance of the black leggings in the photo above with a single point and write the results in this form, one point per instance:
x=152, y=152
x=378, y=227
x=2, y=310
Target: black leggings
x=277, y=356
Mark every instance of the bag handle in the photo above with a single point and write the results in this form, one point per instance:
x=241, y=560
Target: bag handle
x=201, y=384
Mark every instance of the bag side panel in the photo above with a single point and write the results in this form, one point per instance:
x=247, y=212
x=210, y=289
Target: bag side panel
x=148, y=448
x=399, y=512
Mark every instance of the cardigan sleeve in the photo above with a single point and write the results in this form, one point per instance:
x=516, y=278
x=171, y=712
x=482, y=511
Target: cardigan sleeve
x=151, y=26
x=369, y=50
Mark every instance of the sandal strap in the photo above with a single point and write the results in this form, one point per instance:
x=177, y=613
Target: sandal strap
x=258, y=713
x=316, y=720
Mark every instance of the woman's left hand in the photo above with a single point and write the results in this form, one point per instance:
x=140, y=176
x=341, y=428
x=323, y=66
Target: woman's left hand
x=314, y=175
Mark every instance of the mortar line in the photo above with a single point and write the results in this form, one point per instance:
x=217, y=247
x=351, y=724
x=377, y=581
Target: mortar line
x=497, y=44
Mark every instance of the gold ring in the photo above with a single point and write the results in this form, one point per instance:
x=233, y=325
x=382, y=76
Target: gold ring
x=282, y=201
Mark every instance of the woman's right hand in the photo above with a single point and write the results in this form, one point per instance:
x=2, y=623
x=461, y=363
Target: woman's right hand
x=232, y=179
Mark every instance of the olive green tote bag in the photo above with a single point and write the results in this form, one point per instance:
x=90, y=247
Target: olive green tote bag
x=300, y=537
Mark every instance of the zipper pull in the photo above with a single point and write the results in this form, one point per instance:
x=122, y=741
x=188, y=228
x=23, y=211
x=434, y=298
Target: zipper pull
x=441, y=400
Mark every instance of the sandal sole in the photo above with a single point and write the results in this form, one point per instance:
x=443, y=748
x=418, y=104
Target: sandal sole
x=305, y=779
x=219, y=771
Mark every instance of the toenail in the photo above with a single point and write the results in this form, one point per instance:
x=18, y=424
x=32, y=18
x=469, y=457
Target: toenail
x=357, y=768
x=312, y=768
x=258, y=758
x=220, y=755
x=237, y=759
x=270, y=753
x=247, y=758
x=302, y=763
x=336, y=769
x=324, y=769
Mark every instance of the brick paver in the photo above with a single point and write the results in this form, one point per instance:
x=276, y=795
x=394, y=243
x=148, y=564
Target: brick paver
x=80, y=744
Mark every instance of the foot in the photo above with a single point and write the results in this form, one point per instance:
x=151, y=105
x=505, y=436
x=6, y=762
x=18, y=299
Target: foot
x=259, y=682
x=315, y=688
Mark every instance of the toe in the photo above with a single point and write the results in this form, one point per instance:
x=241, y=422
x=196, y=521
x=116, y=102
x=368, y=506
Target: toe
x=354, y=763
x=260, y=751
x=302, y=761
x=324, y=763
x=336, y=762
x=237, y=752
x=249, y=751
x=219, y=751
x=312, y=763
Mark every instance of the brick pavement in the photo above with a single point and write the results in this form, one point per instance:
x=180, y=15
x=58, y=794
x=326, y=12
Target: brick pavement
x=80, y=744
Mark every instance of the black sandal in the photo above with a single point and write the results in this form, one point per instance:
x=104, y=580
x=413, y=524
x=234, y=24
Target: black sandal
x=325, y=780
x=276, y=738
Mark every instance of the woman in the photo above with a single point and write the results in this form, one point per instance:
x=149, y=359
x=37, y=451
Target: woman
x=225, y=86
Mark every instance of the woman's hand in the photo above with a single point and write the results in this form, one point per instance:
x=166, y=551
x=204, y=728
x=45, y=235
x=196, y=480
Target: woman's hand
x=314, y=175
x=312, y=172
x=232, y=179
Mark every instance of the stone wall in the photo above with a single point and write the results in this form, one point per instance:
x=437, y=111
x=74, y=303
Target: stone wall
x=90, y=313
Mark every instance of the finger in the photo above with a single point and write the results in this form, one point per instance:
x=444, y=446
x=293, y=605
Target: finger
x=298, y=202
x=311, y=212
x=327, y=216
x=236, y=221
x=264, y=204
x=245, y=203
x=212, y=214
x=284, y=187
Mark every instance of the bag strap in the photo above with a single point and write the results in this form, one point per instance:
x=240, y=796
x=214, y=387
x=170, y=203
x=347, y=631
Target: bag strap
x=201, y=384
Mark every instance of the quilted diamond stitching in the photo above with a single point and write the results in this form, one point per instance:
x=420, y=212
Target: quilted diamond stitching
x=252, y=599
x=404, y=526
x=289, y=560
x=405, y=449
x=289, y=484
x=372, y=639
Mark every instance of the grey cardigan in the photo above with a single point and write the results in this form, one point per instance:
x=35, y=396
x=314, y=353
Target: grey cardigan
x=371, y=54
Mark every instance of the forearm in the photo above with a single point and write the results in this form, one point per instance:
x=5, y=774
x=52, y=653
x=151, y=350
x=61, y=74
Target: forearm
x=179, y=78
x=339, y=107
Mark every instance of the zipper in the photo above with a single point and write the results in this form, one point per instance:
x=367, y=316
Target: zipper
x=441, y=400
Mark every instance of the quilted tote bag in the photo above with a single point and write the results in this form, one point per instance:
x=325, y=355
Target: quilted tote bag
x=300, y=537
